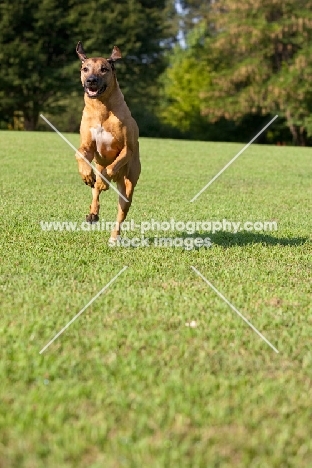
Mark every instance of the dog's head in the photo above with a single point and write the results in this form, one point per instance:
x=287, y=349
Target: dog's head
x=96, y=73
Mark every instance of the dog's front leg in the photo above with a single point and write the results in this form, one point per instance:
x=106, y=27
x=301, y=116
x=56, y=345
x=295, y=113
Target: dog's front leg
x=122, y=159
x=85, y=169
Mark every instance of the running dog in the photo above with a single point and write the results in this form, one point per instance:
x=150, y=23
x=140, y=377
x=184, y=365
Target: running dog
x=108, y=134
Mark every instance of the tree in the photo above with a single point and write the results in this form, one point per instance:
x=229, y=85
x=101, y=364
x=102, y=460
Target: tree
x=38, y=40
x=261, y=55
x=191, y=13
x=186, y=76
x=35, y=45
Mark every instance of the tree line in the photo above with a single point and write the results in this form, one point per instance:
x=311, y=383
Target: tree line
x=210, y=70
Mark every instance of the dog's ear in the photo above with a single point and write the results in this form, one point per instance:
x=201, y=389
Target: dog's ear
x=80, y=52
x=116, y=55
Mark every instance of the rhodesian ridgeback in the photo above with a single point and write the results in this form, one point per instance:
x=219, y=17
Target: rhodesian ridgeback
x=108, y=134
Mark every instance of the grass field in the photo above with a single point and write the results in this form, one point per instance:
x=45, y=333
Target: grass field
x=128, y=384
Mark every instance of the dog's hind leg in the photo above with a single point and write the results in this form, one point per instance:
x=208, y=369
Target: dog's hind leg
x=126, y=186
x=99, y=186
x=93, y=216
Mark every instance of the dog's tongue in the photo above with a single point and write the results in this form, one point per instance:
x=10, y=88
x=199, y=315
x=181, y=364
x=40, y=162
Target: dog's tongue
x=92, y=93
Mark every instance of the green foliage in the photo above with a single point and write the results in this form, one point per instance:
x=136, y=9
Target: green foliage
x=235, y=60
x=38, y=43
x=260, y=53
x=186, y=76
x=184, y=80
x=190, y=13
x=35, y=45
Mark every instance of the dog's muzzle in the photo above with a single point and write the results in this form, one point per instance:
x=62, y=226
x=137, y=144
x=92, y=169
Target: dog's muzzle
x=93, y=88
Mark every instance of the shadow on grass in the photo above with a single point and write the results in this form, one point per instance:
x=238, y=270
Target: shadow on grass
x=229, y=239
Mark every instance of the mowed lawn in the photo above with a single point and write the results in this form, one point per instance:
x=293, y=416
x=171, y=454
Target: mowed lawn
x=129, y=384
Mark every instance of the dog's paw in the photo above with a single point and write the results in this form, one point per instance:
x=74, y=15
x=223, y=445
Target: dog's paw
x=86, y=173
x=101, y=185
x=108, y=172
x=89, y=179
x=92, y=218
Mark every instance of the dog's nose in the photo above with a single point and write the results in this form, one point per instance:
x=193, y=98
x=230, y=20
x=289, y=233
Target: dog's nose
x=92, y=80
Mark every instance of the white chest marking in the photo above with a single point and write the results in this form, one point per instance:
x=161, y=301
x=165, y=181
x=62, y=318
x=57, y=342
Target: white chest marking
x=101, y=137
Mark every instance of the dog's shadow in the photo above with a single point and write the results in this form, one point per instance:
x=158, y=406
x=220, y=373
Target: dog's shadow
x=229, y=239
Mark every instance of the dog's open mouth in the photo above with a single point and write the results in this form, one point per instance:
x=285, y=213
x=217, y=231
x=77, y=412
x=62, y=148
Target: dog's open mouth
x=93, y=91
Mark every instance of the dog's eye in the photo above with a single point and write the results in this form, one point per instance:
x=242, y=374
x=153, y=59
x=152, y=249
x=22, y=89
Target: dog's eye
x=104, y=69
x=85, y=69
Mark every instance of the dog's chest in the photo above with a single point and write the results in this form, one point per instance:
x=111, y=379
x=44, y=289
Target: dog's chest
x=104, y=140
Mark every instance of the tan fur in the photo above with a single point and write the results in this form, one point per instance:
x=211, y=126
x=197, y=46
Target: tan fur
x=109, y=135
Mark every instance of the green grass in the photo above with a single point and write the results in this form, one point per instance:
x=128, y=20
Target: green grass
x=128, y=384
